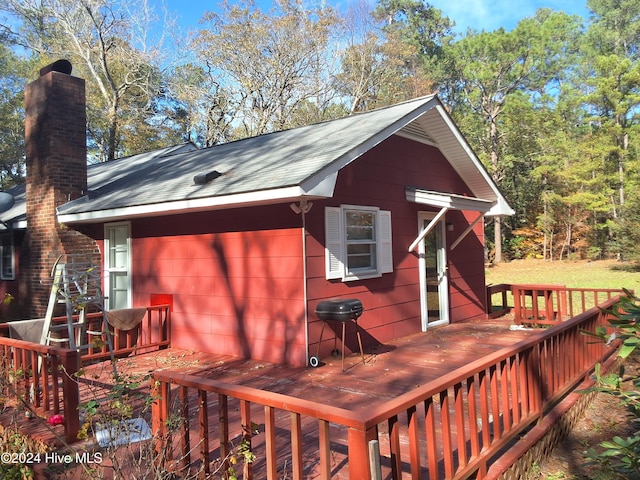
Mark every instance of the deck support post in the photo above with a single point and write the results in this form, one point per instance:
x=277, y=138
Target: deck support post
x=159, y=416
x=70, y=360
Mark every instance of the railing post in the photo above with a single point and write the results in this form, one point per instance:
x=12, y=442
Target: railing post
x=518, y=299
x=70, y=360
x=159, y=416
x=358, y=441
x=562, y=307
x=167, y=325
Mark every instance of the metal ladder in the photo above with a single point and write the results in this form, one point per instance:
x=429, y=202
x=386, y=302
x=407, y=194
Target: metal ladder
x=77, y=285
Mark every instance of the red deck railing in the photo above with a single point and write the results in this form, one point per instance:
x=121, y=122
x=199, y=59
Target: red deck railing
x=153, y=333
x=544, y=304
x=449, y=428
x=43, y=377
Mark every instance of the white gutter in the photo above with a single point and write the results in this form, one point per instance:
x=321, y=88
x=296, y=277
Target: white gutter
x=263, y=197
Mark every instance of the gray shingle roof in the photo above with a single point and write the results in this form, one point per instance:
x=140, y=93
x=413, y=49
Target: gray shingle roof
x=294, y=161
x=265, y=162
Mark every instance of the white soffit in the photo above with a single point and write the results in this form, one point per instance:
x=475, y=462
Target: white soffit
x=437, y=124
x=449, y=201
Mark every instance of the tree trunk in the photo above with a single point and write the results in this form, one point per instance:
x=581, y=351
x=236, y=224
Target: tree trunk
x=497, y=238
x=112, y=141
x=493, y=133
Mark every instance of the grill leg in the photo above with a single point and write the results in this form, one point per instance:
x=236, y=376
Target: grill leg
x=359, y=341
x=324, y=324
x=344, y=326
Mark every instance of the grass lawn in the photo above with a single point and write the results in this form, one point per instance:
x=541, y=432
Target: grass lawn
x=572, y=274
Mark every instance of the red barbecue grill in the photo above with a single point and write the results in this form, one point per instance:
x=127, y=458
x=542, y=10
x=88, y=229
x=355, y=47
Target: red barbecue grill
x=338, y=310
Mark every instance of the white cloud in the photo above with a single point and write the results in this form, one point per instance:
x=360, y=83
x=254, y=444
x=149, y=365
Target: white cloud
x=490, y=15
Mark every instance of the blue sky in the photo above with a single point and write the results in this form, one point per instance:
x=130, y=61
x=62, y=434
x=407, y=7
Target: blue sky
x=478, y=14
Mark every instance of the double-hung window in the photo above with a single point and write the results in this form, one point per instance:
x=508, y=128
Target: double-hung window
x=358, y=242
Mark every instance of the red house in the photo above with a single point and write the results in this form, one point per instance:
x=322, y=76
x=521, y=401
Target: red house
x=245, y=239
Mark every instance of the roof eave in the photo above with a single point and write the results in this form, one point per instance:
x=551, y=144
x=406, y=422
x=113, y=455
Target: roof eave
x=501, y=206
x=262, y=197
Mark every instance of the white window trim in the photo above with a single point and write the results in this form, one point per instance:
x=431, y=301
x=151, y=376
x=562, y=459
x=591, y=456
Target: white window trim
x=336, y=244
x=107, y=270
x=12, y=275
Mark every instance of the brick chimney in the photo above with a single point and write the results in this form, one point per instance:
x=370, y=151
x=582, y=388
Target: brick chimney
x=56, y=149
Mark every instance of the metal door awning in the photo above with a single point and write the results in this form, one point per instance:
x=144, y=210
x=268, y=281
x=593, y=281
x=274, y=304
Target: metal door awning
x=446, y=202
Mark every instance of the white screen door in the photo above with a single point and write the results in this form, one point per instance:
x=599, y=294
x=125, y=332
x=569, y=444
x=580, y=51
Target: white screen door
x=118, y=265
x=434, y=282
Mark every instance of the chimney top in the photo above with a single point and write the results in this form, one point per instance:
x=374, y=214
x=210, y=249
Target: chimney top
x=62, y=66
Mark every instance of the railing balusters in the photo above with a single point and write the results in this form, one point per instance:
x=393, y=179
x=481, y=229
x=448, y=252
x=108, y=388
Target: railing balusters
x=495, y=401
x=485, y=408
x=552, y=365
x=296, y=446
x=44, y=381
x=270, y=442
x=414, y=442
x=203, y=419
x=185, y=441
x=432, y=443
x=514, y=388
x=55, y=378
x=445, y=419
x=223, y=427
x=504, y=395
x=458, y=402
x=394, y=447
x=247, y=434
x=472, y=403
x=324, y=441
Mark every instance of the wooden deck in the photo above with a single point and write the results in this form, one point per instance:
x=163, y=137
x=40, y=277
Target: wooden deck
x=389, y=371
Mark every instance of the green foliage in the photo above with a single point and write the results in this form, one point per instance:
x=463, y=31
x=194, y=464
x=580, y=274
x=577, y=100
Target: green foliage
x=13, y=442
x=12, y=149
x=624, y=318
x=621, y=455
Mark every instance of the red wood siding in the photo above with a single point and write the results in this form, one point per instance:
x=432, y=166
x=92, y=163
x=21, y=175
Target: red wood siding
x=392, y=302
x=236, y=284
x=466, y=268
x=235, y=277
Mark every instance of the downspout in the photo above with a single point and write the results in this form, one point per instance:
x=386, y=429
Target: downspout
x=303, y=208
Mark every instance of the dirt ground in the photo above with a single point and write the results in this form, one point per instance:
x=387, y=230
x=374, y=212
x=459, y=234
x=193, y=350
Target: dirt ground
x=604, y=419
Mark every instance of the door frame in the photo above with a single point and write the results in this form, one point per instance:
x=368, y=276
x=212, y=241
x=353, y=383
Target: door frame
x=443, y=273
x=125, y=269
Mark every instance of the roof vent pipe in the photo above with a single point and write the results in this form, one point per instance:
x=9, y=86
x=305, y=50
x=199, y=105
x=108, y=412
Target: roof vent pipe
x=61, y=66
x=204, y=178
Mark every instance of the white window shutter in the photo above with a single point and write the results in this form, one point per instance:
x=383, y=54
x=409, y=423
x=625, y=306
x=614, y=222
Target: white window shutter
x=334, y=241
x=384, y=232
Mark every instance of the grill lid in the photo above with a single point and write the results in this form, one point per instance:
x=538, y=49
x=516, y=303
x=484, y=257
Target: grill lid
x=339, y=309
